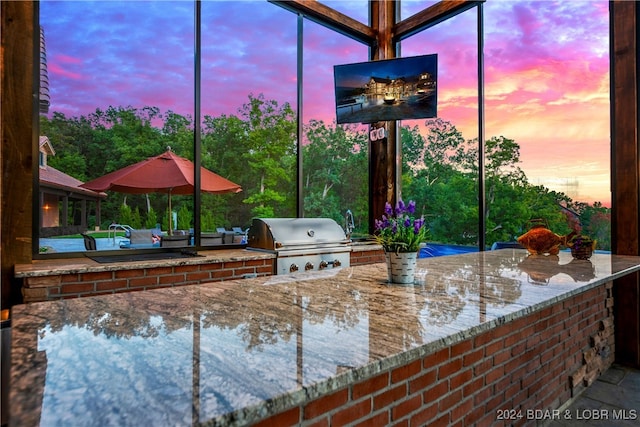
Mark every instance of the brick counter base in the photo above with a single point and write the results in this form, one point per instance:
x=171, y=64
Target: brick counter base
x=367, y=257
x=509, y=375
x=61, y=286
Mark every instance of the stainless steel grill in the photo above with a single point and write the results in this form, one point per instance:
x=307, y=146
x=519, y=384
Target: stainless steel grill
x=301, y=244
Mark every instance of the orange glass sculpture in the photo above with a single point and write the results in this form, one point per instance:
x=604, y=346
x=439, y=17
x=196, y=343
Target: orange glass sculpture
x=542, y=241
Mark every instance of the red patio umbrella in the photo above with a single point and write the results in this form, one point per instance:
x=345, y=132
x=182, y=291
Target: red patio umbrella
x=166, y=173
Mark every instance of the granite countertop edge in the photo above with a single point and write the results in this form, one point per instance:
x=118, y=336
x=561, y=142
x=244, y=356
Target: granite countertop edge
x=43, y=268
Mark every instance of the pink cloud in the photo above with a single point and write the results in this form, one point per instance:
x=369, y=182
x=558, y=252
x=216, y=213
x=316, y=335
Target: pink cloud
x=57, y=70
x=66, y=59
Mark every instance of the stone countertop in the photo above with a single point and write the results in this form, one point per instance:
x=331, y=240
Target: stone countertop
x=53, y=266
x=242, y=350
x=365, y=245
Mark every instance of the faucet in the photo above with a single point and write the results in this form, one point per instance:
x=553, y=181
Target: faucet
x=348, y=223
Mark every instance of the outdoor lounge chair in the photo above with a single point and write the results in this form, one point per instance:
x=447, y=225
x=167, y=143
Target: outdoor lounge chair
x=174, y=241
x=141, y=239
x=89, y=242
x=209, y=239
x=145, y=236
x=239, y=235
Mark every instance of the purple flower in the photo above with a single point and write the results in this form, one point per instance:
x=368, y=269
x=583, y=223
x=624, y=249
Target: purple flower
x=382, y=224
x=387, y=209
x=398, y=229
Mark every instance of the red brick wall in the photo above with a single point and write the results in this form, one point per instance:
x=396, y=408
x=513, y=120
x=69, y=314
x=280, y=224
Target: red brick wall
x=522, y=366
x=59, y=286
x=367, y=257
x=106, y=282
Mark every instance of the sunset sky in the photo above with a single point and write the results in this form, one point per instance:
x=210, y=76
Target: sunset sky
x=546, y=70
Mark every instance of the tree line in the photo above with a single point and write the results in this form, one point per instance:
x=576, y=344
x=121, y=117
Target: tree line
x=257, y=148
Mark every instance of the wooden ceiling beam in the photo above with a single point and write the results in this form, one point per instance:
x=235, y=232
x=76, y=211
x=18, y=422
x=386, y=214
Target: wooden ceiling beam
x=431, y=16
x=330, y=18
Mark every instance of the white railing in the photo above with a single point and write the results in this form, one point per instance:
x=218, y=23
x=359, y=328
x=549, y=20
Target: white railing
x=117, y=227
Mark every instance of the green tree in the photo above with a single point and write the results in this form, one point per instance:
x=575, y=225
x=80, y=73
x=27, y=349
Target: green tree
x=177, y=132
x=224, y=143
x=437, y=154
x=71, y=139
x=136, y=219
x=126, y=216
x=185, y=217
x=592, y=220
x=600, y=228
x=334, y=171
x=257, y=149
x=151, y=219
x=441, y=171
x=130, y=134
x=207, y=221
x=165, y=220
x=270, y=154
x=433, y=176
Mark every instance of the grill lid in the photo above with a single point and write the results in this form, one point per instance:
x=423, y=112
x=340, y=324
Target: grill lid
x=294, y=233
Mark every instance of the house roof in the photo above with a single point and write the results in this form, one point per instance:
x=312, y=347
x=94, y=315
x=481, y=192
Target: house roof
x=52, y=178
x=380, y=79
x=45, y=146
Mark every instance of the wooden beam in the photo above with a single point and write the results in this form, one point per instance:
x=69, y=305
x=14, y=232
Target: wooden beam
x=385, y=161
x=625, y=175
x=625, y=157
x=17, y=60
x=383, y=18
x=330, y=18
x=431, y=16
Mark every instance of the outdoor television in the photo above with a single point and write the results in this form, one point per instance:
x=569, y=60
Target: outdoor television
x=391, y=89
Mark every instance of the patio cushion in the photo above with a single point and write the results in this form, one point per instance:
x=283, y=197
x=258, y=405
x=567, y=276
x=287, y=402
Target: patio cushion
x=144, y=236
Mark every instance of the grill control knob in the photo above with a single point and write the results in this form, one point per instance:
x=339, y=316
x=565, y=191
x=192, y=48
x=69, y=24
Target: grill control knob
x=308, y=266
x=293, y=268
x=323, y=265
x=336, y=263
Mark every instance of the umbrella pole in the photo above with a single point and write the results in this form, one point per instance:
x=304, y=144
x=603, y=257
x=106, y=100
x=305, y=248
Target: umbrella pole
x=170, y=214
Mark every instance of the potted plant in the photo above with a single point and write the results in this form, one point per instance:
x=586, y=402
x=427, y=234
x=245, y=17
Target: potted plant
x=400, y=233
x=581, y=246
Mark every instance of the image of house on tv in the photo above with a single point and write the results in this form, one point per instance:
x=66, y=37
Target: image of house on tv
x=399, y=89
x=403, y=88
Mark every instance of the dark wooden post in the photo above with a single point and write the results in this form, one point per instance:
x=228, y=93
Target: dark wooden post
x=625, y=179
x=385, y=165
x=16, y=128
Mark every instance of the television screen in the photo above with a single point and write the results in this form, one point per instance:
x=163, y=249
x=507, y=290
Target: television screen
x=391, y=89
